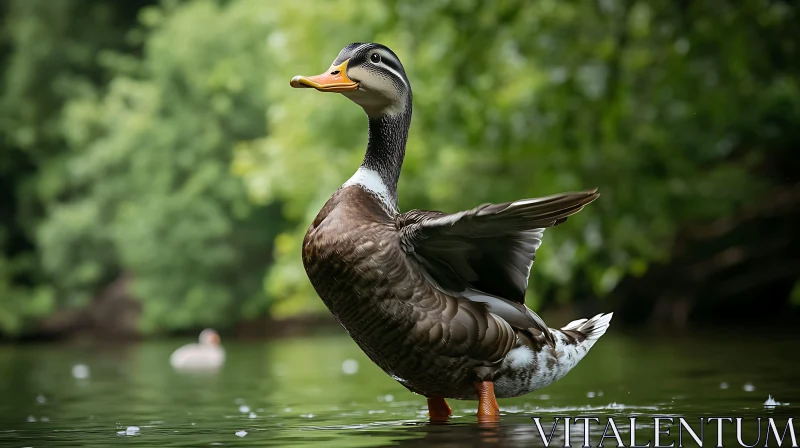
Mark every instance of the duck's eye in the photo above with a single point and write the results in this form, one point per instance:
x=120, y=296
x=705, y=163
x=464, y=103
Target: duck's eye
x=375, y=58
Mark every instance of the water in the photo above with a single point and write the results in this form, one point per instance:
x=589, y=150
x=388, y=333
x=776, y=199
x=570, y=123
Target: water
x=323, y=391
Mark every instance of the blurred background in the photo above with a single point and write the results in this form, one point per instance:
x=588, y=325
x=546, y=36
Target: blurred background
x=157, y=173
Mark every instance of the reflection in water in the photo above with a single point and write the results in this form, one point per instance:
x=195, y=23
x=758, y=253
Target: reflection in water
x=297, y=393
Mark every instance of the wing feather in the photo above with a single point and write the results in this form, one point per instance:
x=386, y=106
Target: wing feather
x=485, y=254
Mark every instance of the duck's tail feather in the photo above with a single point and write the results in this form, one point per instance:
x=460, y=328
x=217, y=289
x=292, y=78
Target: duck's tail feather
x=592, y=328
x=531, y=367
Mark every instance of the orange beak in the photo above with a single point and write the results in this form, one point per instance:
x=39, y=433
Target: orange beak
x=334, y=80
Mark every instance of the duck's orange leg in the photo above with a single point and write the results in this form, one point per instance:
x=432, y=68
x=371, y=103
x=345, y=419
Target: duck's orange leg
x=488, y=411
x=438, y=410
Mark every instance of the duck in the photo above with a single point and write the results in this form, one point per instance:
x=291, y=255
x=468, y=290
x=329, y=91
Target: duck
x=436, y=300
x=207, y=354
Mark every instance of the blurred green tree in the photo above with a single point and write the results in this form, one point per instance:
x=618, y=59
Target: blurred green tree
x=174, y=153
x=517, y=99
x=149, y=184
x=49, y=53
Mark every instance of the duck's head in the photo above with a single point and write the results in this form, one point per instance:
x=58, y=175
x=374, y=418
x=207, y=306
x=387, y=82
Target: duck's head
x=371, y=75
x=209, y=337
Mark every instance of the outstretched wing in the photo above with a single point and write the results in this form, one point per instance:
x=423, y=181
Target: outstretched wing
x=485, y=254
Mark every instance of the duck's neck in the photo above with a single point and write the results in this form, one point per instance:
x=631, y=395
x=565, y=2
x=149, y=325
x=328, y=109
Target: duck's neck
x=386, y=148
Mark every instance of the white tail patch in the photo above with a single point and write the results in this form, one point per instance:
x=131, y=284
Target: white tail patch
x=525, y=370
x=593, y=328
x=521, y=357
x=574, y=324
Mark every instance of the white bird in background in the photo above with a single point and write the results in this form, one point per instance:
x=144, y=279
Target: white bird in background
x=206, y=355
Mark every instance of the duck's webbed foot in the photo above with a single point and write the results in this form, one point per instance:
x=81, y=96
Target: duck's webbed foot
x=488, y=410
x=438, y=410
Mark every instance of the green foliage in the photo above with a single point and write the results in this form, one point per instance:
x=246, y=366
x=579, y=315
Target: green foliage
x=517, y=99
x=150, y=187
x=48, y=52
x=173, y=149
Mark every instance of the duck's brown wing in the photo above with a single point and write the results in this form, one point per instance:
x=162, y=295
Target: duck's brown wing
x=485, y=254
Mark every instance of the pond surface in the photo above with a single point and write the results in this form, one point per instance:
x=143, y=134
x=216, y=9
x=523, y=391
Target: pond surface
x=295, y=392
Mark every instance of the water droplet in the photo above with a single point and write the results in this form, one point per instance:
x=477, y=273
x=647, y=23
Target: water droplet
x=31, y=419
x=590, y=394
x=80, y=371
x=748, y=387
x=388, y=397
x=252, y=415
x=241, y=433
x=723, y=385
x=41, y=399
x=544, y=397
x=44, y=419
x=350, y=366
x=771, y=403
x=287, y=410
x=132, y=431
x=244, y=409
